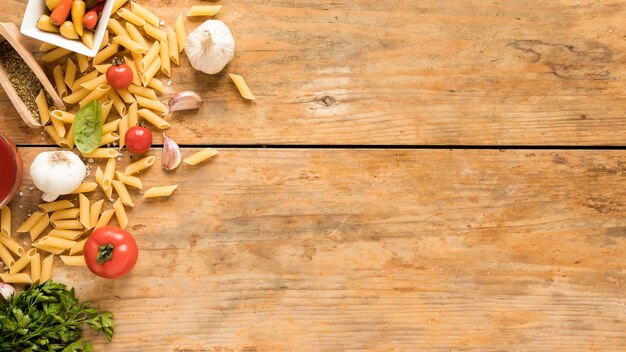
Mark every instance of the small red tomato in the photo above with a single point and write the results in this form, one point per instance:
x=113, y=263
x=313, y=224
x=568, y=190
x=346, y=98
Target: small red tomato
x=110, y=252
x=138, y=139
x=119, y=75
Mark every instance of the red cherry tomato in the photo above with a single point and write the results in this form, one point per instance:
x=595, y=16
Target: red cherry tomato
x=119, y=75
x=110, y=252
x=138, y=139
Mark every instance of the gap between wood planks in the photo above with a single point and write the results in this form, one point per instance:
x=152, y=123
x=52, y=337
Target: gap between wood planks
x=373, y=146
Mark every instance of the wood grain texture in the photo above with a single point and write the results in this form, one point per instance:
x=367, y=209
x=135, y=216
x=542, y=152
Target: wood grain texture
x=404, y=72
x=395, y=250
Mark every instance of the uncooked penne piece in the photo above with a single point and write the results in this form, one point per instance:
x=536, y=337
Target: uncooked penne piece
x=165, y=59
x=83, y=62
x=70, y=73
x=130, y=44
x=106, y=109
x=84, y=207
x=102, y=153
x=49, y=249
x=133, y=117
x=76, y=96
x=126, y=96
x=157, y=85
x=106, y=53
x=118, y=103
x=94, y=212
x=123, y=194
x=21, y=278
x=154, y=119
x=44, y=47
x=12, y=245
x=59, y=82
x=94, y=83
x=133, y=67
x=54, y=54
x=102, y=68
x=54, y=206
x=139, y=165
x=143, y=91
x=88, y=77
x=35, y=267
x=172, y=41
x=67, y=224
x=5, y=221
x=129, y=180
x=59, y=127
x=120, y=214
x=105, y=40
x=53, y=133
x=73, y=260
x=66, y=234
x=204, y=10
x=105, y=217
x=96, y=94
x=181, y=34
x=46, y=268
x=6, y=256
x=242, y=86
x=135, y=35
x=200, y=156
x=30, y=222
x=117, y=27
x=149, y=73
x=145, y=14
x=19, y=265
x=85, y=187
x=108, y=191
x=42, y=107
x=111, y=126
x=39, y=227
x=56, y=242
x=65, y=214
x=78, y=247
x=64, y=116
x=150, y=56
x=123, y=128
x=131, y=17
x=162, y=191
x=155, y=33
x=109, y=172
x=109, y=138
x=117, y=4
x=69, y=137
x=150, y=103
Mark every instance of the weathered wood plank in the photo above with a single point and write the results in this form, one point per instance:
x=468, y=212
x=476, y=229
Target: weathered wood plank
x=336, y=250
x=404, y=72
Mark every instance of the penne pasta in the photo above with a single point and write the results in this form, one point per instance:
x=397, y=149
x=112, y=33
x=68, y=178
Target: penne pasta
x=42, y=107
x=35, y=267
x=77, y=96
x=5, y=221
x=88, y=77
x=64, y=116
x=111, y=126
x=139, y=165
x=135, y=35
x=59, y=127
x=54, y=54
x=84, y=207
x=117, y=27
x=69, y=137
x=102, y=153
x=126, y=96
x=109, y=172
x=102, y=68
x=123, y=128
x=117, y=102
x=6, y=256
x=46, y=268
x=64, y=214
x=19, y=265
x=156, y=85
x=145, y=14
x=106, y=53
x=123, y=194
x=150, y=104
x=78, y=247
x=104, y=219
x=241, y=85
x=117, y=4
x=96, y=94
x=56, y=242
x=105, y=40
x=95, y=82
x=30, y=222
x=200, y=156
x=133, y=117
x=54, y=206
x=165, y=59
x=94, y=212
x=131, y=17
x=154, y=119
x=39, y=227
x=85, y=187
x=129, y=180
x=149, y=73
x=73, y=260
x=150, y=56
x=108, y=191
x=21, y=278
x=133, y=68
x=44, y=47
x=52, y=133
x=83, y=62
x=162, y=191
x=155, y=33
x=67, y=224
x=181, y=34
x=66, y=234
x=59, y=82
x=173, y=44
x=70, y=73
x=12, y=245
x=204, y=10
x=142, y=91
x=106, y=109
x=109, y=138
x=130, y=44
x=120, y=214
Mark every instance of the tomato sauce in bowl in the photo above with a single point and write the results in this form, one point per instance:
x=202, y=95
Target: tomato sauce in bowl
x=10, y=170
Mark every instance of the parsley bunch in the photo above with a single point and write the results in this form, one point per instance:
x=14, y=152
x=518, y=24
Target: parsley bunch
x=49, y=317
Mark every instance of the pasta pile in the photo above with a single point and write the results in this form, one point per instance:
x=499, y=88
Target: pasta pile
x=78, y=84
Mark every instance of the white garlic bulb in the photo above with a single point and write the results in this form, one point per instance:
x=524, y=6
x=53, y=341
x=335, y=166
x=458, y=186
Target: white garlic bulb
x=210, y=47
x=57, y=173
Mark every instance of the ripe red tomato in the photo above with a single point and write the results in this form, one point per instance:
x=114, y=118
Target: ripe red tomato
x=138, y=139
x=119, y=75
x=110, y=252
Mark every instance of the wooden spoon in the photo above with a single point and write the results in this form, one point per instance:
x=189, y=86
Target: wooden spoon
x=10, y=33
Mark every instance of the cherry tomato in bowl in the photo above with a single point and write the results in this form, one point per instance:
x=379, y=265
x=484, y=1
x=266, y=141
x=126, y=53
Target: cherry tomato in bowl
x=138, y=139
x=119, y=75
x=110, y=252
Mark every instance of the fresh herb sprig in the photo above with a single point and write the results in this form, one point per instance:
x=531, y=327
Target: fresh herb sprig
x=49, y=317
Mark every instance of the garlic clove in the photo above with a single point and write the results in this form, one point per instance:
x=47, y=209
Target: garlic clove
x=6, y=290
x=171, y=157
x=186, y=100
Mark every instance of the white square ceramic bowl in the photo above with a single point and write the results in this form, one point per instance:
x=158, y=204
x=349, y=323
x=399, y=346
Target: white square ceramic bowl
x=36, y=8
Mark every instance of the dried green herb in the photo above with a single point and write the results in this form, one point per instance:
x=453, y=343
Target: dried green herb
x=88, y=127
x=49, y=317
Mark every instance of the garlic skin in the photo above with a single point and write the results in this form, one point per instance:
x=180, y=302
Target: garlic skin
x=57, y=173
x=210, y=47
x=171, y=157
x=185, y=100
x=6, y=290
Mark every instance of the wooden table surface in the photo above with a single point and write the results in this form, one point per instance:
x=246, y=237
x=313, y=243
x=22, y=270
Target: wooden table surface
x=370, y=219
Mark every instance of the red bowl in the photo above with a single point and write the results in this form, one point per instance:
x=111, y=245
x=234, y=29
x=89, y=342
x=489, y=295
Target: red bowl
x=10, y=170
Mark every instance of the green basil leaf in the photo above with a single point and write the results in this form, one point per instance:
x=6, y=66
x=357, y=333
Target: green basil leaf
x=88, y=127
